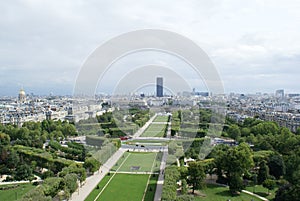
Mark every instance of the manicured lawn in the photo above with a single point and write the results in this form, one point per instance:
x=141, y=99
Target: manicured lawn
x=120, y=161
x=143, y=160
x=161, y=119
x=262, y=191
x=15, y=193
x=125, y=187
x=155, y=130
x=219, y=193
x=96, y=191
x=130, y=187
x=150, y=193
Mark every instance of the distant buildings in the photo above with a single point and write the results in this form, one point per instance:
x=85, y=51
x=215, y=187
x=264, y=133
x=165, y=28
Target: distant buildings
x=22, y=96
x=279, y=93
x=159, y=87
x=282, y=109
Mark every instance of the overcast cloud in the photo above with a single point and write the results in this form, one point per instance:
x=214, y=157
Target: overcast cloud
x=254, y=44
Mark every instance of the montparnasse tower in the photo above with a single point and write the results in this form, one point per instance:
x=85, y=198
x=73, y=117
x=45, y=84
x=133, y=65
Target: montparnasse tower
x=22, y=96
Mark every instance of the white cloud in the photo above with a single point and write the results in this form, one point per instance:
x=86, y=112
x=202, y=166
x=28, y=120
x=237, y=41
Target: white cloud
x=43, y=40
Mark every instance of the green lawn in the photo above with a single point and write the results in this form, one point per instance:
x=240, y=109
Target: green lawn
x=155, y=130
x=262, y=191
x=125, y=187
x=151, y=188
x=96, y=191
x=219, y=193
x=144, y=160
x=161, y=119
x=15, y=193
x=130, y=187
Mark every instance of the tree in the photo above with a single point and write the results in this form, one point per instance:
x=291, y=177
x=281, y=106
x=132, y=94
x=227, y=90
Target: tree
x=172, y=147
x=70, y=181
x=184, y=188
x=269, y=184
x=196, y=175
x=47, y=174
x=52, y=185
x=234, y=162
x=245, y=132
x=277, y=166
x=169, y=187
x=292, y=165
x=235, y=183
x=298, y=131
x=23, y=172
x=254, y=179
x=288, y=192
x=69, y=130
x=4, y=139
x=234, y=132
x=36, y=194
x=91, y=164
x=264, y=128
x=263, y=172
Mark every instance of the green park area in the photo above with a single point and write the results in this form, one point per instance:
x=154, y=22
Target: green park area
x=160, y=118
x=262, y=191
x=219, y=193
x=138, y=162
x=122, y=186
x=14, y=191
x=125, y=187
x=155, y=130
x=131, y=187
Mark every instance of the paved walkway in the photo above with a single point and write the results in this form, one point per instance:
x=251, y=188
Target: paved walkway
x=161, y=178
x=92, y=181
x=255, y=195
x=21, y=182
x=18, y=182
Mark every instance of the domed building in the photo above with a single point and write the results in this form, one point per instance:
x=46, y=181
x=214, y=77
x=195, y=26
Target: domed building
x=22, y=96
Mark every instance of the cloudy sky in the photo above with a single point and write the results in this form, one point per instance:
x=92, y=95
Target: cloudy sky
x=255, y=45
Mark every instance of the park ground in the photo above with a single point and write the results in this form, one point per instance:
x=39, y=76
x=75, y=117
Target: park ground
x=157, y=127
x=124, y=183
x=14, y=191
x=214, y=192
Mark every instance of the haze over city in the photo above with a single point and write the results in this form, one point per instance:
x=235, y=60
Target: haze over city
x=253, y=44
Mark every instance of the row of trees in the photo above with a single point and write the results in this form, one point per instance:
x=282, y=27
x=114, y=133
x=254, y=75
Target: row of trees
x=34, y=134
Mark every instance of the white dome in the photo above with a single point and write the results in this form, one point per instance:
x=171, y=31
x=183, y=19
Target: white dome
x=22, y=92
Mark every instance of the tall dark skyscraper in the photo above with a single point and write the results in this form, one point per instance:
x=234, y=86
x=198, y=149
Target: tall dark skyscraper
x=159, y=87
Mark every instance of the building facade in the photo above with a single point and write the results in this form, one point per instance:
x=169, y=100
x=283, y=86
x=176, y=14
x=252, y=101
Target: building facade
x=159, y=87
